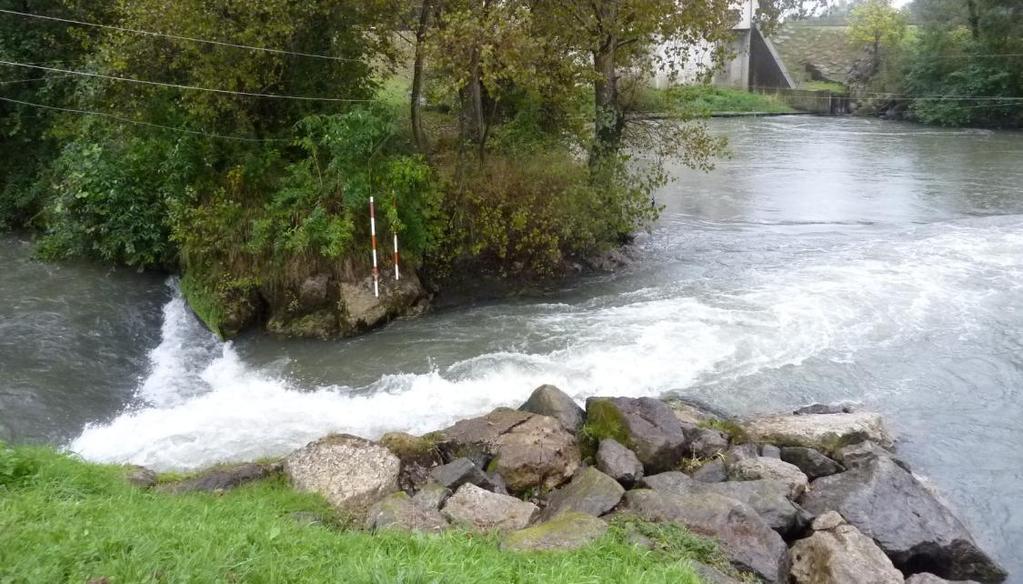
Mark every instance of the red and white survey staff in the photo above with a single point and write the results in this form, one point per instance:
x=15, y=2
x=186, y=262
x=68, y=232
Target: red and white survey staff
x=373, y=234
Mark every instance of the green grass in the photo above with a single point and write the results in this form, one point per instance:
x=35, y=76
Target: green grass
x=704, y=100
x=62, y=520
x=824, y=86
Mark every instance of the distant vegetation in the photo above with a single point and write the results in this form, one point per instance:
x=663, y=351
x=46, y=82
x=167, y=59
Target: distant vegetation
x=703, y=100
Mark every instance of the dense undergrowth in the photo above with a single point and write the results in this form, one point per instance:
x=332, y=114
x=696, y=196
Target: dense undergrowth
x=703, y=100
x=63, y=520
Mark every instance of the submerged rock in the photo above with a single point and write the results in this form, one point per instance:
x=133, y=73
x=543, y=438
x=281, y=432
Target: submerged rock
x=351, y=473
x=591, y=492
x=889, y=505
x=567, y=531
x=398, y=511
x=837, y=553
x=548, y=400
x=618, y=462
x=824, y=432
x=474, y=508
x=646, y=426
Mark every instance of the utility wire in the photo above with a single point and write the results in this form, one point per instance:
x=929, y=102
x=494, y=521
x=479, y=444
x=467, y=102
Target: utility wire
x=146, y=124
x=178, y=37
x=179, y=86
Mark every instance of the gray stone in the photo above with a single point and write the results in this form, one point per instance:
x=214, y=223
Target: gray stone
x=399, y=512
x=707, y=443
x=476, y=438
x=813, y=464
x=841, y=555
x=893, y=508
x=591, y=492
x=711, y=575
x=458, y=472
x=866, y=451
x=770, y=468
x=351, y=473
x=220, y=478
x=817, y=409
x=313, y=292
x=740, y=452
x=693, y=412
x=140, y=476
x=431, y=496
x=671, y=482
x=548, y=400
x=926, y=578
x=770, y=451
x=824, y=432
x=647, y=426
x=474, y=508
x=712, y=472
x=567, y=531
x=619, y=462
x=742, y=535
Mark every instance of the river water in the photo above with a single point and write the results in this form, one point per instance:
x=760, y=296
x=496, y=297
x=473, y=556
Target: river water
x=830, y=259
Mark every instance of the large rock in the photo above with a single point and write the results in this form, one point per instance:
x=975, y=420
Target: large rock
x=743, y=536
x=567, y=531
x=474, y=508
x=221, y=478
x=712, y=472
x=646, y=426
x=459, y=472
x=837, y=553
x=864, y=452
x=811, y=462
x=711, y=575
x=925, y=578
x=591, y=492
x=528, y=450
x=431, y=496
x=400, y=512
x=889, y=505
x=418, y=455
x=706, y=443
x=824, y=432
x=619, y=462
x=775, y=469
x=548, y=400
x=351, y=473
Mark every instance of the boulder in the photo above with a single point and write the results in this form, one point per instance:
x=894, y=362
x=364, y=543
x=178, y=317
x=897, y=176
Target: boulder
x=925, y=578
x=706, y=443
x=671, y=482
x=548, y=400
x=398, y=511
x=693, y=412
x=591, y=492
x=823, y=409
x=743, y=537
x=712, y=472
x=459, y=472
x=351, y=473
x=752, y=469
x=528, y=450
x=711, y=575
x=431, y=496
x=474, y=508
x=418, y=454
x=362, y=310
x=740, y=452
x=813, y=464
x=862, y=452
x=618, y=462
x=646, y=426
x=889, y=505
x=221, y=478
x=837, y=553
x=140, y=476
x=824, y=432
x=567, y=531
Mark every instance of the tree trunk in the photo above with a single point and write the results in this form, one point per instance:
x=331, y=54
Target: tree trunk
x=418, y=134
x=609, y=119
x=974, y=19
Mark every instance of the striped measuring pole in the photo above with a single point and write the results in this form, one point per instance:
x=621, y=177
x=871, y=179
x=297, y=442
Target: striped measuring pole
x=397, y=272
x=373, y=235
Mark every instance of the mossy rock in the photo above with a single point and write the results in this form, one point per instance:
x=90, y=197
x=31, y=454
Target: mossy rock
x=567, y=531
x=411, y=448
x=603, y=420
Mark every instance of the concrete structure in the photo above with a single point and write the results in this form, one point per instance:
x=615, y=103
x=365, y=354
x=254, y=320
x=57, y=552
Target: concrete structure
x=753, y=63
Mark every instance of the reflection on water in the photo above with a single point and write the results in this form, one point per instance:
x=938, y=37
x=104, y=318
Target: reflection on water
x=829, y=259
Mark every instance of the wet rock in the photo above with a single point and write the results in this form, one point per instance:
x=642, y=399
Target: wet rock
x=618, y=462
x=889, y=505
x=431, y=496
x=712, y=472
x=770, y=468
x=363, y=311
x=567, y=531
x=351, y=473
x=548, y=400
x=474, y=508
x=221, y=478
x=818, y=409
x=591, y=492
x=140, y=476
x=926, y=578
x=313, y=292
x=418, y=455
x=399, y=512
x=742, y=535
x=837, y=553
x=707, y=443
x=646, y=426
x=711, y=575
x=770, y=451
x=824, y=432
x=811, y=462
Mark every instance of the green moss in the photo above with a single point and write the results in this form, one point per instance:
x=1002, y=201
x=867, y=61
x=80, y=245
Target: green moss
x=603, y=420
x=413, y=448
x=735, y=432
x=225, y=307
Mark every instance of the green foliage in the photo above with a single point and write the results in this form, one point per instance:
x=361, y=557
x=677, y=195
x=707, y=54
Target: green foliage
x=876, y=24
x=703, y=100
x=15, y=467
x=68, y=521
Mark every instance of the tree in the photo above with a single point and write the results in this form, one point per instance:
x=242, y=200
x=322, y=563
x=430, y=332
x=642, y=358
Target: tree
x=876, y=24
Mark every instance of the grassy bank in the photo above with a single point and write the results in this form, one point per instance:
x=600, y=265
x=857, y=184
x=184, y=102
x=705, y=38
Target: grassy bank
x=705, y=100
x=63, y=520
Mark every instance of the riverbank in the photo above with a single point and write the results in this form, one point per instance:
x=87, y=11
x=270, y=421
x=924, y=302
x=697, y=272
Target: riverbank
x=672, y=490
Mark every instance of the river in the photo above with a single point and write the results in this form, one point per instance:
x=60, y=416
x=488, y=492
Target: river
x=830, y=259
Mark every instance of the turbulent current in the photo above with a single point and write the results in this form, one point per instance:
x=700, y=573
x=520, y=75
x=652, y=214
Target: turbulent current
x=826, y=260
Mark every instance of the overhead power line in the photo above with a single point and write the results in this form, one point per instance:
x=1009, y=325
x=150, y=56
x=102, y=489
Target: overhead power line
x=177, y=37
x=146, y=124
x=180, y=86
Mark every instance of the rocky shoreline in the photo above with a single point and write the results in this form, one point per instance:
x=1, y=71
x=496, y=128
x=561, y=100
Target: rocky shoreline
x=814, y=496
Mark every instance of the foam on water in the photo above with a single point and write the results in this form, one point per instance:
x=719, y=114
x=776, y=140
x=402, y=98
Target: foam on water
x=203, y=404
